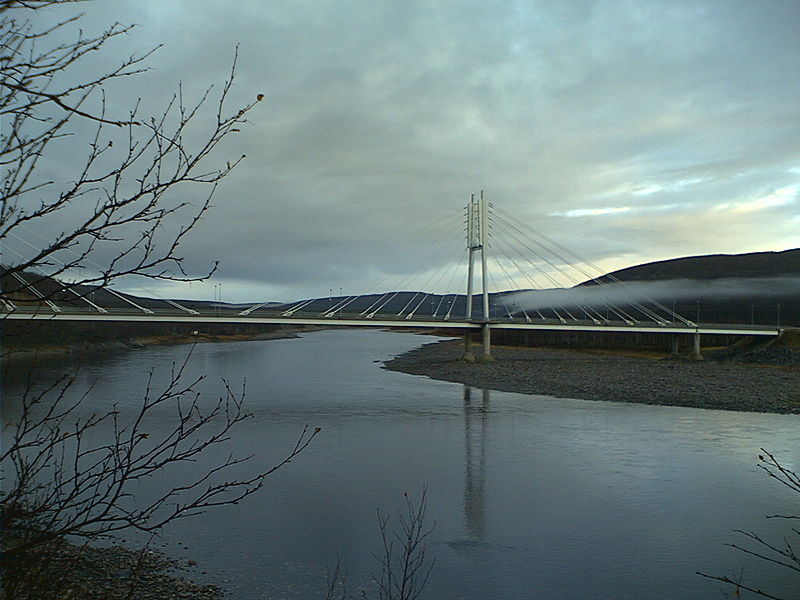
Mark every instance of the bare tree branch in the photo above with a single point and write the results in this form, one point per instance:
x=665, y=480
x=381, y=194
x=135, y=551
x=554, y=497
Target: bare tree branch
x=134, y=198
x=58, y=482
x=138, y=185
x=783, y=555
x=404, y=567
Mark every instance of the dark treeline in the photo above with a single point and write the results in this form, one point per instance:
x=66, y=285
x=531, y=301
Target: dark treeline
x=30, y=336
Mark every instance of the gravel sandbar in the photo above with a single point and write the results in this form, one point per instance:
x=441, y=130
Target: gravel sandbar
x=612, y=377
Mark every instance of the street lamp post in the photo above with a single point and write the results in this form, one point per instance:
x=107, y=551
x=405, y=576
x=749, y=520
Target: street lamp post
x=217, y=296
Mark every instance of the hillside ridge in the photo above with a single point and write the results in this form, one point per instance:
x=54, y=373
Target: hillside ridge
x=716, y=266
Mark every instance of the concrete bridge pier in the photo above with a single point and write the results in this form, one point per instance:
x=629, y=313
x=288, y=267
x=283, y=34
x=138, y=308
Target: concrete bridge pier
x=486, y=333
x=468, y=346
x=674, y=346
x=696, y=348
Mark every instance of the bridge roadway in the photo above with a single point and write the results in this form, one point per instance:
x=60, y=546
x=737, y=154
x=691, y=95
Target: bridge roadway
x=232, y=316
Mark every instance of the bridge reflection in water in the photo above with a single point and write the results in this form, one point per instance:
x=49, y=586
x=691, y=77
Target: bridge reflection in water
x=475, y=432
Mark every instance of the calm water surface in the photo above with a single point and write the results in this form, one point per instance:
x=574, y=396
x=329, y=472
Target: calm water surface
x=531, y=496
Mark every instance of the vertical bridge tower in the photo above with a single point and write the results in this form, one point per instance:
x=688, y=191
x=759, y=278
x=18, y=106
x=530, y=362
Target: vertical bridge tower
x=477, y=226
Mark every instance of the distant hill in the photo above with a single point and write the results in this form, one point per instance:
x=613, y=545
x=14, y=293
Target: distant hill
x=758, y=287
x=717, y=266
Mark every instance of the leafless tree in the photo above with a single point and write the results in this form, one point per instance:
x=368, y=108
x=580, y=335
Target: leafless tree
x=67, y=475
x=405, y=566
x=119, y=201
x=783, y=554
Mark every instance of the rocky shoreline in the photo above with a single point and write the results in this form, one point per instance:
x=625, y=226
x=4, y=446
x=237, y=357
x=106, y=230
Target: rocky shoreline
x=612, y=377
x=62, y=570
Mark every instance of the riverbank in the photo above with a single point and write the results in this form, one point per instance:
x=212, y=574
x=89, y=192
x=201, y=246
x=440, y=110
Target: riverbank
x=64, y=570
x=612, y=377
x=92, y=347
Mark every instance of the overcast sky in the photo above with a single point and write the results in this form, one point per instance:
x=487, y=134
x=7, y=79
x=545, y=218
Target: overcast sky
x=628, y=131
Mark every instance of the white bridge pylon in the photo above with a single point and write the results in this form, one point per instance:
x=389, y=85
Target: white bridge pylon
x=477, y=226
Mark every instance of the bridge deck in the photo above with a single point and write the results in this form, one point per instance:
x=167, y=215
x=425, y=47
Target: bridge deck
x=348, y=320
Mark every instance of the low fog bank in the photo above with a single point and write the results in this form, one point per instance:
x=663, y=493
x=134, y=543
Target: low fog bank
x=674, y=290
x=761, y=300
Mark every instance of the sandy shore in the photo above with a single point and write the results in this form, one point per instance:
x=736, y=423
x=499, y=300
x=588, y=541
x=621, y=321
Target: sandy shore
x=612, y=377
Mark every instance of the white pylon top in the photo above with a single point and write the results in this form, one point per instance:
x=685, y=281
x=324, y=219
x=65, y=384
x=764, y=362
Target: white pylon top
x=476, y=222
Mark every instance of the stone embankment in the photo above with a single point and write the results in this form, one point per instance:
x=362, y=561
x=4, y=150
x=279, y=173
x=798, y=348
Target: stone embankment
x=615, y=377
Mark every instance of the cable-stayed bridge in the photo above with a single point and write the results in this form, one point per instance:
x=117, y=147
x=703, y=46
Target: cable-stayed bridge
x=532, y=268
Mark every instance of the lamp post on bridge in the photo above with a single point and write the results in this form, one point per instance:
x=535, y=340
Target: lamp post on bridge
x=218, y=296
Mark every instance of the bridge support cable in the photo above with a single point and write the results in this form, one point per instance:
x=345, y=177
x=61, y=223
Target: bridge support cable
x=543, y=273
x=526, y=240
x=249, y=310
x=585, y=309
x=444, y=239
x=433, y=280
x=418, y=305
x=187, y=310
x=600, y=278
x=106, y=289
x=35, y=292
x=449, y=265
x=407, y=304
x=532, y=281
x=509, y=280
x=26, y=285
x=298, y=306
x=378, y=304
x=442, y=299
x=553, y=281
x=339, y=306
x=129, y=301
x=499, y=297
x=382, y=301
x=514, y=234
x=451, y=307
x=512, y=285
x=452, y=302
x=99, y=309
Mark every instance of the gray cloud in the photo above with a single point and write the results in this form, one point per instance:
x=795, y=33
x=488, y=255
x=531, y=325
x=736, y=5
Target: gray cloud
x=382, y=116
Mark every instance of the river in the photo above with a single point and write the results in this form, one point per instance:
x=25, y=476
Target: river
x=529, y=496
